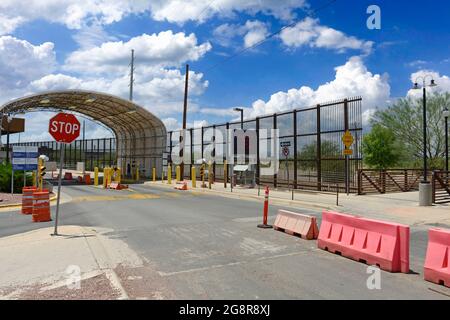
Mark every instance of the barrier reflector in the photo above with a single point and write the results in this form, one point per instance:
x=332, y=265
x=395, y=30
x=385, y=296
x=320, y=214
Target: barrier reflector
x=183, y=186
x=293, y=223
x=27, y=199
x=117, y=186
x=41, y=206
x=437, y=260
x=374, y=242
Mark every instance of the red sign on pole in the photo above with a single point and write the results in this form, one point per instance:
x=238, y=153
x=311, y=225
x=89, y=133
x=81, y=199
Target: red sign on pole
x=64, y=127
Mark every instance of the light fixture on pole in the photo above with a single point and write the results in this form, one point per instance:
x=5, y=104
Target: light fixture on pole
x=425, y=197
x=242, y=116
x=446, y=114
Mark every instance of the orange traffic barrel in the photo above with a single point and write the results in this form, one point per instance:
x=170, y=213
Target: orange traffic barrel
x=41, y=206
x=27, y=199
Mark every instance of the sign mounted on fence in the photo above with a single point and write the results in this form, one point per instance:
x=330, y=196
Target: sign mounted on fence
x=348, y=152
x=347, y=139
x=285, y=144
x=25, y=158
x=286, y=151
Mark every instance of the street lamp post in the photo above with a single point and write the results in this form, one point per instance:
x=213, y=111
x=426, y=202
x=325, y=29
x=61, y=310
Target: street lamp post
x=425, y=197
x=242, y=116
x=446, y=114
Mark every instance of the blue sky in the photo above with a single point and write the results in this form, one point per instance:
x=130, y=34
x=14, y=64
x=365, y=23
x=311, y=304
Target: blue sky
x=329, y=55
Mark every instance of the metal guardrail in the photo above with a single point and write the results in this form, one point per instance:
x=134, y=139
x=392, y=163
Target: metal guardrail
x=389, y=180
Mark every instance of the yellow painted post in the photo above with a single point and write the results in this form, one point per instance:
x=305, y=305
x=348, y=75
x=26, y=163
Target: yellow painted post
x=177, y=168
x=137, y=174
x=225, y=174
x=202, y=174
x=209, y=175
x=33, y=176
x=96, y=176
x=118, y=176
x=154, y=174
x=169, y=174
x=194, y=177
x=105, y=177
x=39, y=179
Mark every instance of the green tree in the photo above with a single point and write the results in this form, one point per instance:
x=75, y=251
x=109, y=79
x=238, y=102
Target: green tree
x=404, y=119
x=380, y=148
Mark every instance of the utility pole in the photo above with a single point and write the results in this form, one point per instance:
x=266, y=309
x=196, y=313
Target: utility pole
x=186, y=87
x=132, y=75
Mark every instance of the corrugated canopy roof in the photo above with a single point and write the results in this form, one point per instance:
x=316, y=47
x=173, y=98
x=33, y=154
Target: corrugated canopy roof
x=124, y=117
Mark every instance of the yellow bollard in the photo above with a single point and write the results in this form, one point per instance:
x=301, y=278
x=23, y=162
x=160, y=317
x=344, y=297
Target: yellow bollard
x=169, y=174
x=194, y=177
x=178, y=172
x=225, y=174
x=154, y=174
x=202, y=175
x=137, y=174
x=33, y=176
x=96, y=176
x=39, y=174
x=118, y=176
x=105, y=177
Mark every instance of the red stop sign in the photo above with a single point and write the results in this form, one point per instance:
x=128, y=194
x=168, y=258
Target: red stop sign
x=64, y=127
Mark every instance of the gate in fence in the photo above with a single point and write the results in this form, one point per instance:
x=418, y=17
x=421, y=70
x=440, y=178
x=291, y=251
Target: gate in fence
x=441, y=186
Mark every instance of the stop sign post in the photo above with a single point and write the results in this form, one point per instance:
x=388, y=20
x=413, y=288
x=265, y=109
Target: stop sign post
x=64, y=128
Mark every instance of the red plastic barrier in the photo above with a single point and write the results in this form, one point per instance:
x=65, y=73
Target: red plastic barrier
x=374, y=242
x=437, y=260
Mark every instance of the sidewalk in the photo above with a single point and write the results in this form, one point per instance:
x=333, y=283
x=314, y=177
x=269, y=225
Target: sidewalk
x=36, y=265
x=397, y=207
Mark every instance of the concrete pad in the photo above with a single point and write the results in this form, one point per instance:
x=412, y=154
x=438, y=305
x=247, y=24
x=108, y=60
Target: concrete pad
x=37, y=258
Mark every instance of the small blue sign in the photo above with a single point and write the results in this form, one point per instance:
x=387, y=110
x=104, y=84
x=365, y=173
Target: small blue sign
x=24, y=158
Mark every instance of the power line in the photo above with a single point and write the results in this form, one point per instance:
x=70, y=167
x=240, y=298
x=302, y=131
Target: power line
x=311, y=13
x=205, y=8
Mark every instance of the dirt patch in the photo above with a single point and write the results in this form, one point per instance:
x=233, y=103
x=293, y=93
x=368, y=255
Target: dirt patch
x=95, y=288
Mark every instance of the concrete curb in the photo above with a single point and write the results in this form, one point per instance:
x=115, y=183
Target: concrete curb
x=276, y=201
x=19, y=205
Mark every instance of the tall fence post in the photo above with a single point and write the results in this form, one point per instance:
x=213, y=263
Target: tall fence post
x=360, y=191
x=319, y=150
x=347, y=166
x=295, y=149
x=433, y=187
x=275, y=176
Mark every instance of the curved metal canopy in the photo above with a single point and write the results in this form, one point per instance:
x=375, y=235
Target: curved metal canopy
x=139, y=133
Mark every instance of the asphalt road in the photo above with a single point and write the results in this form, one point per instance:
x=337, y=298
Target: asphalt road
x=201, y=246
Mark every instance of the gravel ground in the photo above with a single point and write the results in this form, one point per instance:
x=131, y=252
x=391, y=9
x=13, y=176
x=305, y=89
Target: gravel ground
x=95, y=288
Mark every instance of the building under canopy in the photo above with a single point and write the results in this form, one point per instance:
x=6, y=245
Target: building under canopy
x=140, y=135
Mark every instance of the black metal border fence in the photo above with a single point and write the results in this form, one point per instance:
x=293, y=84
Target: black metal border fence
x=317, y=161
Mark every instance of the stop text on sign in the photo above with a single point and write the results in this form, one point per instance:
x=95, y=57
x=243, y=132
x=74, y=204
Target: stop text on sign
x=64, y=127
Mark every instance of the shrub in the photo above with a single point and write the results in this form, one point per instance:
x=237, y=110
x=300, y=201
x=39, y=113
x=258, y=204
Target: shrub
x=5, y=179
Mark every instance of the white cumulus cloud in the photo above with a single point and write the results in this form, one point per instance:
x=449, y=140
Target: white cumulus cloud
x=201, y=10
x=164, y=49
x=351, y=79
x=22, y=62
x=309, y=32
x=252, y=32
